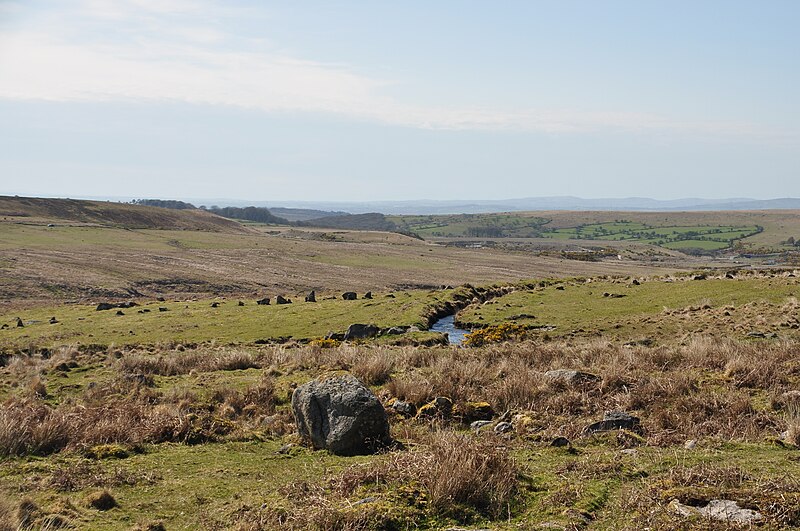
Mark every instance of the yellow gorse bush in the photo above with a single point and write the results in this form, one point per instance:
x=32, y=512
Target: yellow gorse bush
x=495, y=334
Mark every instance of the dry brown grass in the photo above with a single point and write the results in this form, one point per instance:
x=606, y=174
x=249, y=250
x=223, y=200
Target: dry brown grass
x=447, y=474
x=124, y=411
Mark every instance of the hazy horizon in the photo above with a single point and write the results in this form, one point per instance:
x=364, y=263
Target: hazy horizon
x=385, y=102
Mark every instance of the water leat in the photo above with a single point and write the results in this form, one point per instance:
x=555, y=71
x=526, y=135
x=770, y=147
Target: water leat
x=446, y=325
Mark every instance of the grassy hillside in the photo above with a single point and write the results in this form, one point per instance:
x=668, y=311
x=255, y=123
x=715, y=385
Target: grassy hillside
x=69, y=262
x=121, y=215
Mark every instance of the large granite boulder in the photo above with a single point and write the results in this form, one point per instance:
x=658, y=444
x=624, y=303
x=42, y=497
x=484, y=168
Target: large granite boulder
x=341, y=415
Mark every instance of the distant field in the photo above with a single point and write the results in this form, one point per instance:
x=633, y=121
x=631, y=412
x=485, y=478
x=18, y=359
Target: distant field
x=706, y=231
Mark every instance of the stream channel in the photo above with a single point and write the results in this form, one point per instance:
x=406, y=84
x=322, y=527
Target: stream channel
x=445, y=325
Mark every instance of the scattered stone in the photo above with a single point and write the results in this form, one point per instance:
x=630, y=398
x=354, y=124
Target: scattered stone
x=503, y=427
x=368, y=499
x=285, y=449
x=441, y=406
x=631, y=452
x=161, y=299
x=690, y=444
x=756, y=334
x=395, y=331
x=390, y=296
x=615, y=420
x=570, y=376
x=560, y=442
x=120, y=312
x=53, y=320
x=560, y=288
x=478, y=424
x=263, y=302
x=241, y=303
x=342, y=415
x=413, y=328
x=349, y=295
x=406, y=409
x=701, y=276
x=281, y=300
x=361, y=331
x=4, y=327
x=477, y=411
x=635, y=282
x=105, y=306
x=722, y=510
x=144, y=310
x=368, y=295
x=215, y=304
x=20, y=324
x=163, y=309
x=311, y=297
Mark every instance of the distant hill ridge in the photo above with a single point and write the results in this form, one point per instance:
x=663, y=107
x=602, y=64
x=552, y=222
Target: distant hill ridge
x=124, y=215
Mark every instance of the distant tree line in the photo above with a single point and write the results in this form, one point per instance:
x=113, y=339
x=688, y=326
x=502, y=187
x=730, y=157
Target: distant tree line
x=164, y=203
x=251, y=213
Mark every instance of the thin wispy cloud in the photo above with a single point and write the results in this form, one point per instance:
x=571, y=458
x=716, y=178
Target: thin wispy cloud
x=159, y=60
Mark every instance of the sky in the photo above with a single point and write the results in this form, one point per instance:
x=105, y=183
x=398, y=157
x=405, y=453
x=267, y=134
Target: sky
x=379, y=100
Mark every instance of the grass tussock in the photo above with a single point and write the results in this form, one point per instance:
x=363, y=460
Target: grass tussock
x=126, y=411
x=449, y=475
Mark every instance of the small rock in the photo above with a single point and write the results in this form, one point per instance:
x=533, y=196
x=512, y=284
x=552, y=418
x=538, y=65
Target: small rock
x=349, y=295
x=20, y=324
x=395, y=331
x=478, y=424
x=215, y=304
x=615, y=420
x=311, y=297
x=285, y=449
x=120, y=312
x=503, y=427
x=632, y=452
x=368, y=499
x=241, y=303
x=162, y=309
x=263, y=302
x=690, y=444
x=282, y=300
x=53, y=320
x=559, y=442
x=723, y=510
x=478, y=411
x=406, y=409
x=361, y=331
x=441, y=406
x=571, y=377
x=105, y=306
x=368, y=295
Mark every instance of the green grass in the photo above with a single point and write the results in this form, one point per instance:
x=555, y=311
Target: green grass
x=472, y=225
x=583, y=309
x=197, y=321
x=703, y=237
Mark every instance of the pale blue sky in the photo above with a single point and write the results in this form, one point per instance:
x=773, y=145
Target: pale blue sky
x=399, y=100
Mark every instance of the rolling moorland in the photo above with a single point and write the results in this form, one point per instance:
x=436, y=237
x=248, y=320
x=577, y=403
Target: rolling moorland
x=170, y=409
